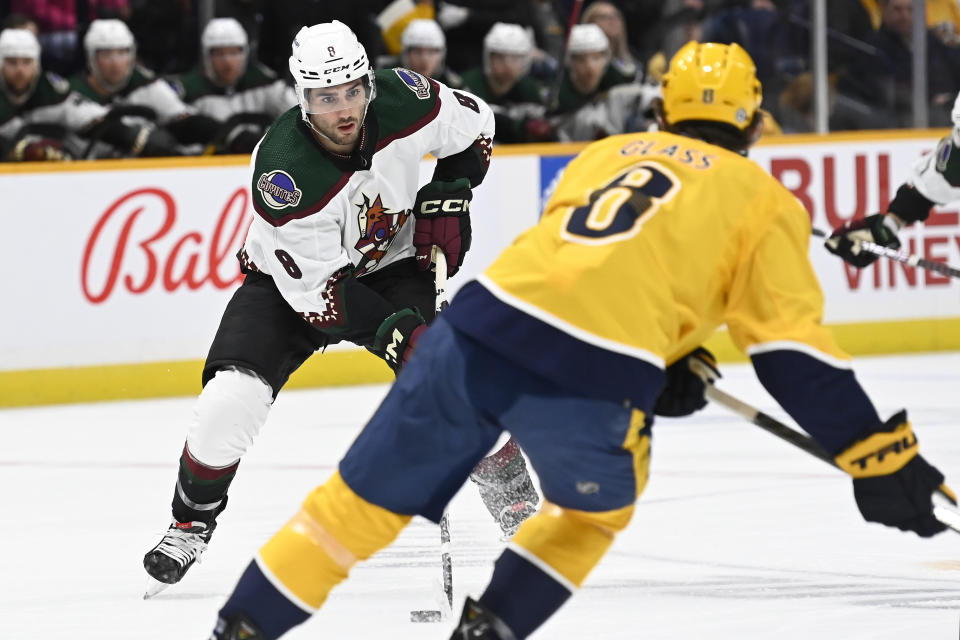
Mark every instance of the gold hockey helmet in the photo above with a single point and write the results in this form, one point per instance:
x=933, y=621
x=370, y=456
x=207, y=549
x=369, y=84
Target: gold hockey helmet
x=709, y=81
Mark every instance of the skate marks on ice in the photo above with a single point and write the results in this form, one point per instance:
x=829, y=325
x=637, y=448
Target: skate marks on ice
x=723, y=580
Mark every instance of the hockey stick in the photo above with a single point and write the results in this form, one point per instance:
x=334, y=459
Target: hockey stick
x=944, y=508
x=900, y=256
x=446, y=562
x=561, y=65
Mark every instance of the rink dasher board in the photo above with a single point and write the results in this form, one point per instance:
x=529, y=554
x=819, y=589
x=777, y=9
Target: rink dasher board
x=121, y=269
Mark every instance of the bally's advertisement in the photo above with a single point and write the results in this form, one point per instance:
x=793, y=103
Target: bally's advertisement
x=118, y=271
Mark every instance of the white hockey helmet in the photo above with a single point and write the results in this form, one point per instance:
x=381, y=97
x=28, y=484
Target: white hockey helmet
x=19, y=43
x=586, y=38
x=222, y=32
x=510, y=39
x=423, y=33
x=108, y=34
x=327, y=55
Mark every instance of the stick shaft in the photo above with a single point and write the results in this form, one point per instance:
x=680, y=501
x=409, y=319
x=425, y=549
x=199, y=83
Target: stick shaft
x=901, y=256
x=943, y=510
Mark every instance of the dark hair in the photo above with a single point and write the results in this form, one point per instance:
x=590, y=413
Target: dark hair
x=18, y=21
x=718, y=133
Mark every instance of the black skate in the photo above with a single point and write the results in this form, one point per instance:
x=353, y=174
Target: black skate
x=181, y=546
x=506, y=488
x=236, y=626
x=479, y=623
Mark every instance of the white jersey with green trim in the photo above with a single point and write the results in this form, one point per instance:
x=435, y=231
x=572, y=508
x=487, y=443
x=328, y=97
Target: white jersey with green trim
x=315, y=216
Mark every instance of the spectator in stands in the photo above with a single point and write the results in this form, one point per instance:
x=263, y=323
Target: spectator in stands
x=943, y=18
x=608, y=17
x=45, y=120
x=20, y=21
x=678, y=22
x=893, y=39
x=763, y=27
x=505, y=84
x=59, y=24
x=588, y=69
x=282, y=19
x=396, y=16
x=424, y=49
x=113, y=79
x=167, y=34
x=245, y=97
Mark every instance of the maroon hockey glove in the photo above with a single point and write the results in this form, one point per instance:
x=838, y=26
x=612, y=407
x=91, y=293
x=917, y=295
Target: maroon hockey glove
x=845, y=241
x=892, y=483
x=32, y=149
x=442, y=212
x=397, y=336
x=683, y=393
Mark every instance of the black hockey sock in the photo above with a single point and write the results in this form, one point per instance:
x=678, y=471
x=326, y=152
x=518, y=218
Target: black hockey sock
x=201, y=491
x=522, y=595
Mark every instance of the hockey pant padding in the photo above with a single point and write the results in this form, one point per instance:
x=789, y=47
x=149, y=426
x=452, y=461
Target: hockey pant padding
x=567, y=543
x=227, y=417
x=333, y=530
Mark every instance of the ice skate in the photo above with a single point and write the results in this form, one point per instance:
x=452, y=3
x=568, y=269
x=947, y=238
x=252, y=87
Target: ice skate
x=479, y=623
x=181, y=546
x=236, y=627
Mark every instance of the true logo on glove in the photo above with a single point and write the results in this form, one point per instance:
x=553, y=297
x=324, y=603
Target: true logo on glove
x=895, y=448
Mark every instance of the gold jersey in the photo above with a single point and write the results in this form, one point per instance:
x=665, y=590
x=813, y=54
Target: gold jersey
x=649, y=243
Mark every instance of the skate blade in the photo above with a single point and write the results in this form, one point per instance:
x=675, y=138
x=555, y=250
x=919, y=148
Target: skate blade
x=154, y=587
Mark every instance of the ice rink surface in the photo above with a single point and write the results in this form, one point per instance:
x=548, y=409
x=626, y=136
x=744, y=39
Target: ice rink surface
x=737, y=536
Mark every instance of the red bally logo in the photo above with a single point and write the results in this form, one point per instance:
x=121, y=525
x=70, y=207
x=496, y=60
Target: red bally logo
x=141, y=249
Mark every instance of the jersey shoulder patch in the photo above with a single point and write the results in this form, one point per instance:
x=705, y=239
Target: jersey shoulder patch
x=292, y=178
x=405, y=102
x=415, y=82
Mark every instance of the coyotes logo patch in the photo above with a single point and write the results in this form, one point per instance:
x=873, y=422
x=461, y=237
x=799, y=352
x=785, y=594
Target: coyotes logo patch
x=378, y=227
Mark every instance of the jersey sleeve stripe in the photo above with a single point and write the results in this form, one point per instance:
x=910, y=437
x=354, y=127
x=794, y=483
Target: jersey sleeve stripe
x=790, y=345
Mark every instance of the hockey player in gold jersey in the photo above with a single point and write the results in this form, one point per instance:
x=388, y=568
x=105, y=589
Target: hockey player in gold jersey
x=650, y=242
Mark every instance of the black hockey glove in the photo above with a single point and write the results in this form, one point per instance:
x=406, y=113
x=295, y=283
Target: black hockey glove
x=683, y=393
x=892, y=483
x=153, y=142
x=396, y=337
x=442, y=212
x=845, y=241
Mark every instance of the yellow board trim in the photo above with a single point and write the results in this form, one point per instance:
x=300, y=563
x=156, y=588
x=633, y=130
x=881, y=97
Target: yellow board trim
x=533, y=149
x=344, y=368
x=165, y=379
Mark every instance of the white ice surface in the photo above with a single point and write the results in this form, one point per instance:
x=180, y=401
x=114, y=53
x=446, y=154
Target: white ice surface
x=737, y=536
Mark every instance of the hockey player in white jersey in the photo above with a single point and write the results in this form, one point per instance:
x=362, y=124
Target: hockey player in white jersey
x=113, y=78
x=227, y=84
x=934, y=179
x=338, y=249
x=30, y=98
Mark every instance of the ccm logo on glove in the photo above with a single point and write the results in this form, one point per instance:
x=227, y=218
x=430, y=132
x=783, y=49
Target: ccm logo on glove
x=430, y=207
